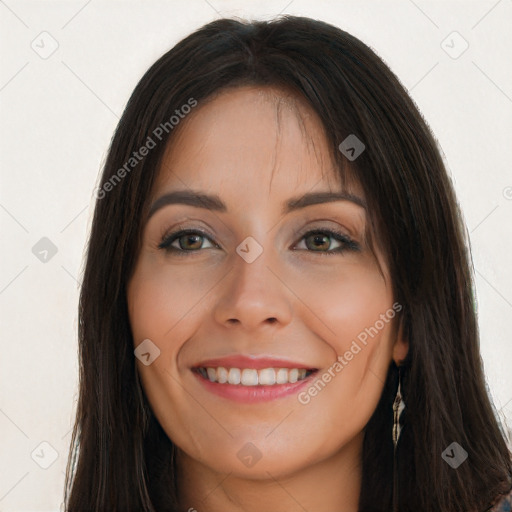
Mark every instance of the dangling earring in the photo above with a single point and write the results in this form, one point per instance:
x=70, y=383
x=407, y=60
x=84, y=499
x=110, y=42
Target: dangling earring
x=398, y=407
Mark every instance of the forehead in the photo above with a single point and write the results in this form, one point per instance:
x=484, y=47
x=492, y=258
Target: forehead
x=251, y=137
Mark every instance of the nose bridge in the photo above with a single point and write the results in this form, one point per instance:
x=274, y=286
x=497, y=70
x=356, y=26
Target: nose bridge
x=251, y=264
x=254, y=294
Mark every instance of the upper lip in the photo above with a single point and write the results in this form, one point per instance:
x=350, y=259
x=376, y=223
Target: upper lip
x=254, y=362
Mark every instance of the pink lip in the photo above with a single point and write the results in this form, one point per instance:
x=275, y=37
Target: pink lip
x=254, y=394
x=256, y=363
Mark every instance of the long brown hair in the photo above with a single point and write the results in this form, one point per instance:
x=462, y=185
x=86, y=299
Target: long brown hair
x=120, y=458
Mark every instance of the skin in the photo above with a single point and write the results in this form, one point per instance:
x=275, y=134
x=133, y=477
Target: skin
x=256, y=148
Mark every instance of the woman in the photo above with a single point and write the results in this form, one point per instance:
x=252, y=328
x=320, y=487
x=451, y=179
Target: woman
x=225, y=363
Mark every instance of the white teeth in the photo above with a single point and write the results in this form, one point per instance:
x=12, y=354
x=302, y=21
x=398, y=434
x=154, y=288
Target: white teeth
x=249, y=377
x=252, y=377
x=233, y=376
x=282, y=376
x=267, y=377
x=293, y=375
x=222, y=375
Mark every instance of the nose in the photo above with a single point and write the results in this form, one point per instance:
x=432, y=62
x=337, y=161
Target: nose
x=254, y=295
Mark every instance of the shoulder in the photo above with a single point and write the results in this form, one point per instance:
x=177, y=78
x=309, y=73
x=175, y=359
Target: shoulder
x=504, y=504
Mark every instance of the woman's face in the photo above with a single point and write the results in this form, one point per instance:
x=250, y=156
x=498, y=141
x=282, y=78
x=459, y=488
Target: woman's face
x=263, y=290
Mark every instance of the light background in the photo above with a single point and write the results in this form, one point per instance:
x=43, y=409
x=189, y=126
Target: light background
x=58, y=115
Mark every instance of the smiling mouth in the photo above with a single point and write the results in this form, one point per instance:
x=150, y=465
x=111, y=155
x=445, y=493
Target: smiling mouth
x=253, y=377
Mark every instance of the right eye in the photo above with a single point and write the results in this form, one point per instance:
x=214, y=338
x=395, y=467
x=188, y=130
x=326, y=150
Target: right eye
x=188, y=240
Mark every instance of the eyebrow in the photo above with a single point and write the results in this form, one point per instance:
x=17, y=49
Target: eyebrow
x=213, y=202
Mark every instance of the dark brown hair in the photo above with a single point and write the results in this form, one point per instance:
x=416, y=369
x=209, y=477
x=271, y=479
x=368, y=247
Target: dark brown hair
x=120, y=458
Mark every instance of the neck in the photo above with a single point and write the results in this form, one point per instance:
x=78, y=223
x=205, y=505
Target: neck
x=330, y=484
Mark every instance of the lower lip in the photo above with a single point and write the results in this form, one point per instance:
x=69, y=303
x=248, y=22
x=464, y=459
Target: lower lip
x=253, y=394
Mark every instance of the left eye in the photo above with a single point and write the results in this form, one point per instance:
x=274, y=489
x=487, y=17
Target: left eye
x=318, y=240
x=190, y=240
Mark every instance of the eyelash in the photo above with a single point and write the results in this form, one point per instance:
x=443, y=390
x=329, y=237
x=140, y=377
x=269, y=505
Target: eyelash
x=349, y=244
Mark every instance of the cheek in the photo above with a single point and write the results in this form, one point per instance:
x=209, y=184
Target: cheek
x=158, y=306
x=345, y=301
x=354, y=315
x=158, y=298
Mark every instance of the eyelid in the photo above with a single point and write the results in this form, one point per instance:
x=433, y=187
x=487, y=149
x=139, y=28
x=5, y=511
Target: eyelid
x=325, y=225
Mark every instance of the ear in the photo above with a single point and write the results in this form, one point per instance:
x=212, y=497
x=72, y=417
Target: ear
x=401, y=346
